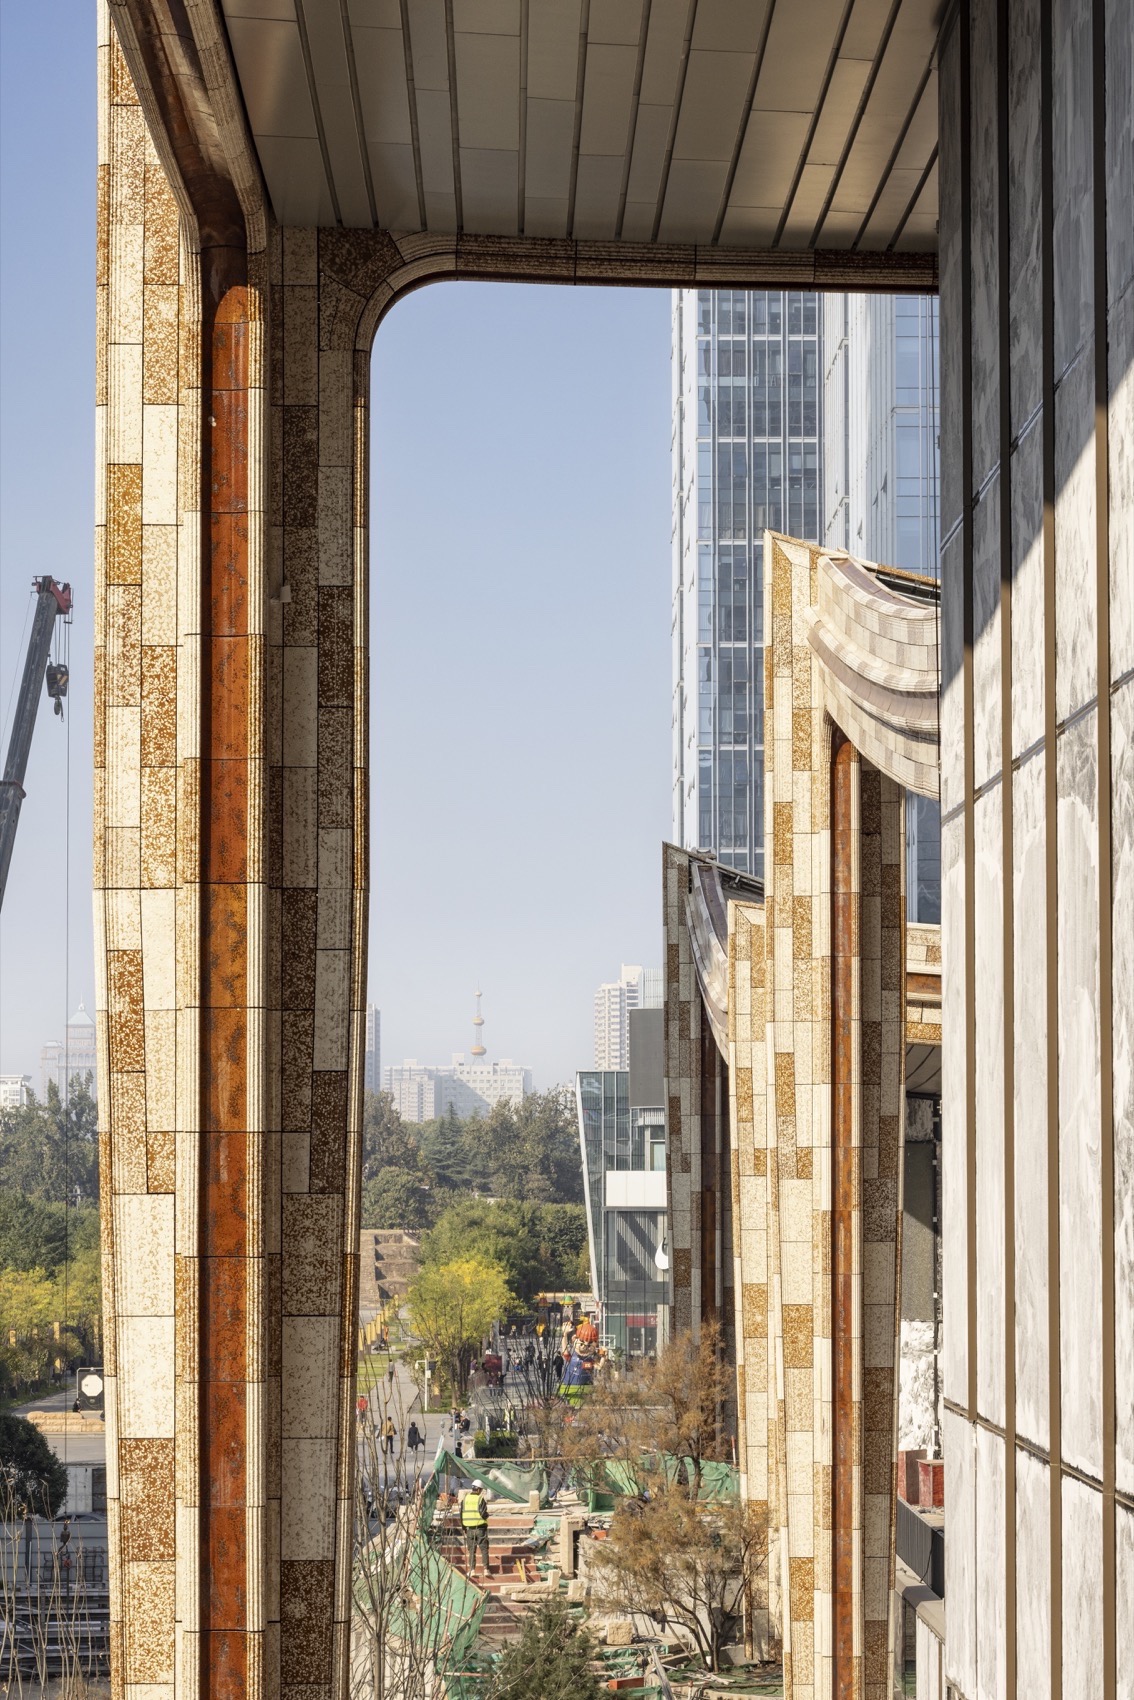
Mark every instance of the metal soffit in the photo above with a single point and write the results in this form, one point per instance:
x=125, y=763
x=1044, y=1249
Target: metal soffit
x=794, y=124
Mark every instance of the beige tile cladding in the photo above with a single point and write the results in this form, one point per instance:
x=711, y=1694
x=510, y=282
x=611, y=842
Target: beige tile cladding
x=780, y=1046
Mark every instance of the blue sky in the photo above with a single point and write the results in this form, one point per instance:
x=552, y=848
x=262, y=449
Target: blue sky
x=520, y=615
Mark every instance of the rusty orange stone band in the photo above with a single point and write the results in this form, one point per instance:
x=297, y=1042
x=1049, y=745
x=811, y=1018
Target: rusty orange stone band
x=224, y=1020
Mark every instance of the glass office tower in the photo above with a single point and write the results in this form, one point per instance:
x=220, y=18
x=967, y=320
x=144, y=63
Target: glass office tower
x=747, y=435
x=812, y=415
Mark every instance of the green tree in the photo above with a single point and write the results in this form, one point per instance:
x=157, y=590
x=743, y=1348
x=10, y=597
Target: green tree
x=452, y=1307
x=551, y=1660
x=537, y=1245
x=398, y=1198
x=532, y=1149
x=35, y=1234
x=49, y=1150
x=387, y=1142
x=34, y=1474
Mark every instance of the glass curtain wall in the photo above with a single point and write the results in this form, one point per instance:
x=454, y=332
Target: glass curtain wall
x=747, y=455
x=623, y=1241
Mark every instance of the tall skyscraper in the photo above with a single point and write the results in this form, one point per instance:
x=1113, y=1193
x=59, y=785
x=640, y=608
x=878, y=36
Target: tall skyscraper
x=373, y=1048
x=747, y=438
x=814, y=415
x=635, y=988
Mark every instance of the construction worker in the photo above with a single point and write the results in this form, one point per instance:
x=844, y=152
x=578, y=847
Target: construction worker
x=474, y=1521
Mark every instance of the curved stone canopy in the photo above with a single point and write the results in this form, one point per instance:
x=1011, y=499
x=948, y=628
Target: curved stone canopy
x=795, y=124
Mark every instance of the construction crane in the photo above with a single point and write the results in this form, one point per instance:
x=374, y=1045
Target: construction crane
x=53, y=601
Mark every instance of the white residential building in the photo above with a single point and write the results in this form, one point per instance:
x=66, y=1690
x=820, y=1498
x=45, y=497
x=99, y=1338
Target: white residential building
x=422, y=1093
x=14, y=1090
x=635, y=988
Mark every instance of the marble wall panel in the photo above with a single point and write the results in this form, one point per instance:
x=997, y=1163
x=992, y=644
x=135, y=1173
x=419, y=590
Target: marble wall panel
x=983, y=212
x=952, y=677
x=1073, y=174
x=989, y=1129
x=1033, y=1577
x=986, y=627
x=1082, y=1604
x=1029, y=1032
x=1080, y=1274
x=959, y=1447
x=954, y=1209
x=1120, y=436
x=1025, y=329
x=1027, y=591
x=949, y=272
x=1076, y=589
x=1122, y=830
x=989, y=1558
x=1124, y=1566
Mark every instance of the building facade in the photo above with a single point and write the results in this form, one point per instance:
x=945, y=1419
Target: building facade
x=635, y=988
x=747, y=455
x=372, y=1076
x=14, y=1090
x=422, y=1093
x=242, y=277
x=622, y=1138
x=72, y=1060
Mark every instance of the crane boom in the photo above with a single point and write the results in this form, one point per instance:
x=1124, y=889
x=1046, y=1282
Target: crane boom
x=52, y=600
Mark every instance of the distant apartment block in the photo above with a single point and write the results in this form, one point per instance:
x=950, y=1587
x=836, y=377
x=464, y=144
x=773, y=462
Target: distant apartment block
x=14, y=1090
x=422, y=1093
x=635, y=988
x=373, y=1073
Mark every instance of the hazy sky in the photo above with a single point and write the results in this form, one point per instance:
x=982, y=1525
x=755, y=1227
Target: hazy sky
x=520, y=606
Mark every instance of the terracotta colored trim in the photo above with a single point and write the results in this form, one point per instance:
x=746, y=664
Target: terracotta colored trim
x=225, y=831
x=844, y=1204
x=922, y=985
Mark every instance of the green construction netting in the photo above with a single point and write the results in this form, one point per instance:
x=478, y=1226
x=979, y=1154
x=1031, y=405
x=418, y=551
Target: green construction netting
x=718, y=1481
x=505, y=1477
x=456, y=1605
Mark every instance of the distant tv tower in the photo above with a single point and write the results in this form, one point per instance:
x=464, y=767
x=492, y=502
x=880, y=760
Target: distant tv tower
x=478, y=1049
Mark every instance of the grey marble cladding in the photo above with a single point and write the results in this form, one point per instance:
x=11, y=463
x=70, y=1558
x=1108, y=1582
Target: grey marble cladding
x=1076, y=598
x=1029, y=1053
x=987, y=670
x=1120, y=434
x=988, y=1548
x=1080, y=1266
x=989, y=1061
x=1026, y=327
x=1073, y=186
x=1027, y=591
x=953, y=1183
x=1119, y=146
x=952, y=679
x=959, y=1446
x=949, y=273
x=983, y=225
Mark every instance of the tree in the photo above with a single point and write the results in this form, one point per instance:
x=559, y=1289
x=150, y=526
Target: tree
x=676, y=1557
x=387, y=1142
x=532, y=1149
x=551, y=1660
x=35, y=1234
x=452, y=1307
x=536, y=1245
x=49, y=1150
x=33, y=1472
x=398, y=1198
x=656, y=1412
